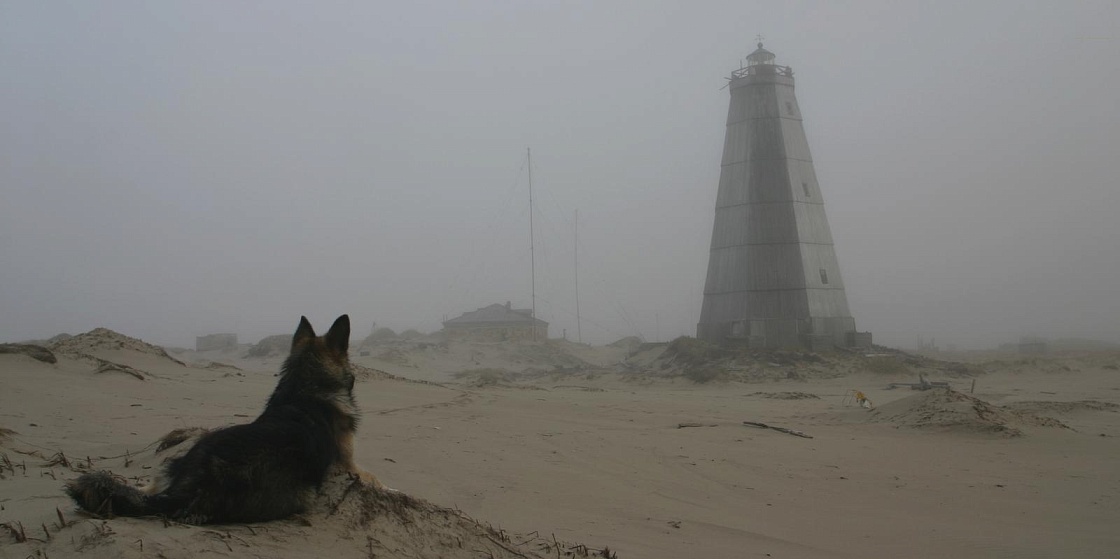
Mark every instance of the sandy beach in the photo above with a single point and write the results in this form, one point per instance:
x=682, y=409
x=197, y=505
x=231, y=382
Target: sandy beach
x=553, y=444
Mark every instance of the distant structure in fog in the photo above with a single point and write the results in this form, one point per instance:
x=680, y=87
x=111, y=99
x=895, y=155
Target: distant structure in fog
x=215, y=341
x=1032, y=345
x=773, y=279
x=497, y=323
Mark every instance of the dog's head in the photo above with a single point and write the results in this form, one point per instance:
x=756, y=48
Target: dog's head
x=323, y=356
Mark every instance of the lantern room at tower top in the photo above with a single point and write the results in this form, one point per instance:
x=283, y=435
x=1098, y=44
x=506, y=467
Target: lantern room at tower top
x=761, y=61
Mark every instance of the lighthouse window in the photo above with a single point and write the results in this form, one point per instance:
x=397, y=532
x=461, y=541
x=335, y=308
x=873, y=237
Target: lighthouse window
x=805, y=187
x=789, y=107
x=824, y=277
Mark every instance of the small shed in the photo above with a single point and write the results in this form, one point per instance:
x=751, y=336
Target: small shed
x=496, y=323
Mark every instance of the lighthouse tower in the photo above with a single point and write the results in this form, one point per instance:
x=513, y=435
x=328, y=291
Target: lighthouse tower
x=773, y=279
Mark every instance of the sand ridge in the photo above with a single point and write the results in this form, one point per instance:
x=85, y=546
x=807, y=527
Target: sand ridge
x=597, y=455
x=949, y=409
x=103, y=339
x=352, y=519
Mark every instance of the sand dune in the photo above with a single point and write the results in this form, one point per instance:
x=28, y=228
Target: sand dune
x=595, y=455
x=102, y=341
x=346, y=518
x=949, y=409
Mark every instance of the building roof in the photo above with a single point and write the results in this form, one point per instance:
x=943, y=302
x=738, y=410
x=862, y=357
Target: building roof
x=760, y=56
x=496, y=314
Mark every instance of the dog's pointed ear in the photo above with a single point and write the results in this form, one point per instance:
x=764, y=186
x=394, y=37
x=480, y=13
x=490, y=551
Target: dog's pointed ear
x=338, y=337
x=303, y=333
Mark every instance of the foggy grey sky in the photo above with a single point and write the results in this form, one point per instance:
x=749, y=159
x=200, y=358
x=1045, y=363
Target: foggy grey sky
x=174, y=169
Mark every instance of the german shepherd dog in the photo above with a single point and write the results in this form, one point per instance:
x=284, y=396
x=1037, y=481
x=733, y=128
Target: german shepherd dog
x=264, y=470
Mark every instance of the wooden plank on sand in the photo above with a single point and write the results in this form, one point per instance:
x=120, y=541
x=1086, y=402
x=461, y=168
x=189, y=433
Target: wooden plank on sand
x=781, y=429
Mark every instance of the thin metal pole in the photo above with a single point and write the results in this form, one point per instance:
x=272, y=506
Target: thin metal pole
x=532, y=240
x=579, y=332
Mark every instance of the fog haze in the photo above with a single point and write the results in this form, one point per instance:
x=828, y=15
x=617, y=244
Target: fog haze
x=170, y=170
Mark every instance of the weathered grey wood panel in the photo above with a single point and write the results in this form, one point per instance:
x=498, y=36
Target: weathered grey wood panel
x=772, y=268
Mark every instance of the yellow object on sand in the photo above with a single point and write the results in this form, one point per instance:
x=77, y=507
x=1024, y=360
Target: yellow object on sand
x=863, y=400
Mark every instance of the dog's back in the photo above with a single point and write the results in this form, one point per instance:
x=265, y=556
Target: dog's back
x=263, y=470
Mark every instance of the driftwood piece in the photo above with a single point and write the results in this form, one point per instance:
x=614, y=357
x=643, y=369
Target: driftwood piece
x=104, y=366
x=781, y=429
x=683, y=425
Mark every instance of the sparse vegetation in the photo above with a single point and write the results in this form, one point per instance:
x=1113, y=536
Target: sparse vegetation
x=379, y=335
x=31, y=350
x=889, y=365
x=382, y=334
x=962, y=370
x=485, y=376
x=272, y=345
x=702, y=375
x=688, y=350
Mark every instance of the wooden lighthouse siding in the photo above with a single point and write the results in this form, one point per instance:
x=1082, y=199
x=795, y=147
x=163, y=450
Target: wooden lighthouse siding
x=773, y=277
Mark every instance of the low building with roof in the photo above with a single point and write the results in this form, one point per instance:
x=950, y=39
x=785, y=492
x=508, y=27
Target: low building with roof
x=497, y=323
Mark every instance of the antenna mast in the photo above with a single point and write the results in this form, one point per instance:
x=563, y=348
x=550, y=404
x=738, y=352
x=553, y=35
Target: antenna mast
x=532, y=241
x=579, y=333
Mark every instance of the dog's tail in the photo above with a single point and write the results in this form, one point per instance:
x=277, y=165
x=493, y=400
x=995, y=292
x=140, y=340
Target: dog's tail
x=104, y=494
